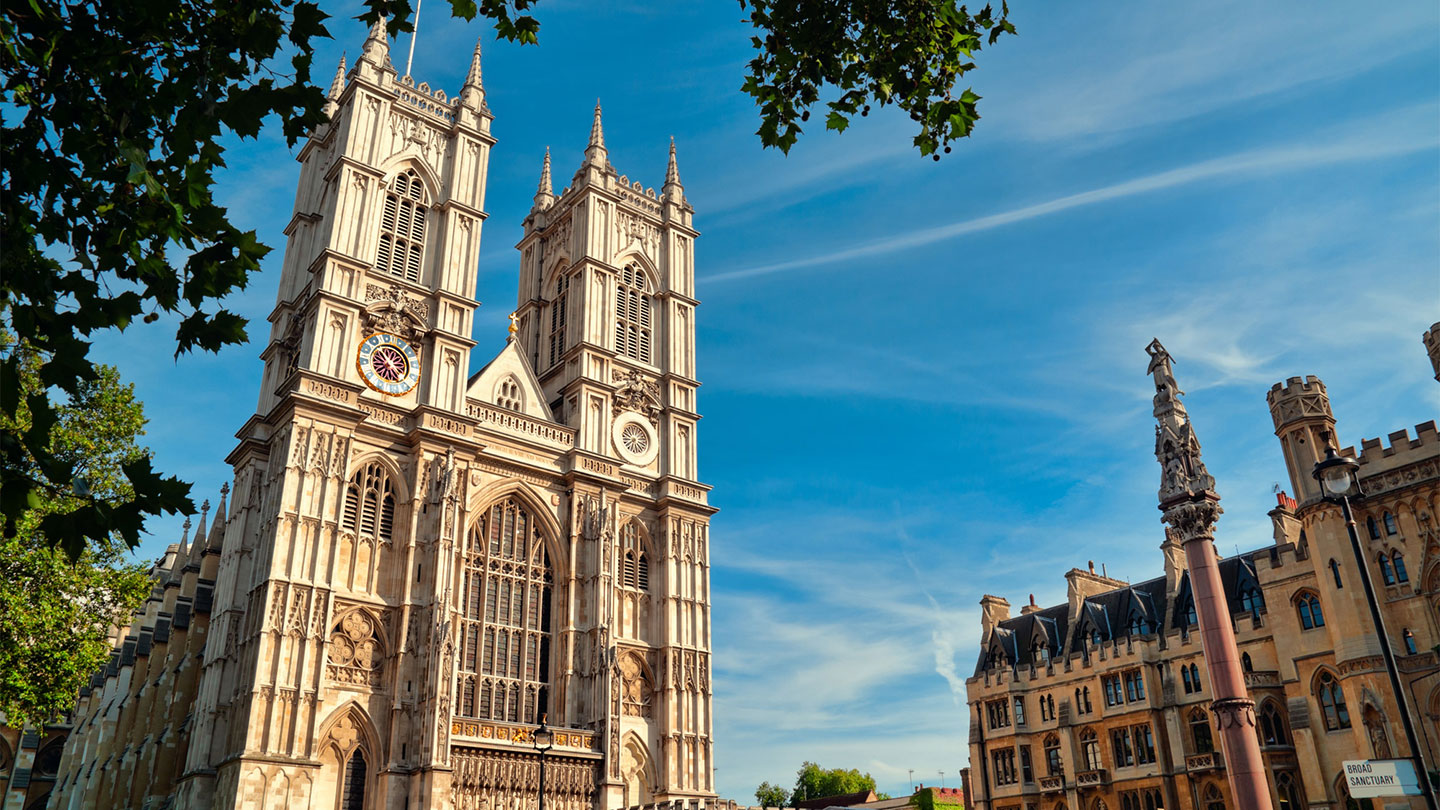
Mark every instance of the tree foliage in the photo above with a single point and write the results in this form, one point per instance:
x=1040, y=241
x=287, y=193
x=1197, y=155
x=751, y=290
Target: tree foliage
x=910, y=53
x=111, y=122
x=815, y=782
x=55, y=613
x=768, y=795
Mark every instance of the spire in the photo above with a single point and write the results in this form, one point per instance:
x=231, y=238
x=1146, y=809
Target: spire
x=377, y=45
x=217, y=529
x=1182, y=473
x=185, y=534
x=544, y=194
x=595, y=153
x=473, y=93
x=337, y=86
x=672, y=190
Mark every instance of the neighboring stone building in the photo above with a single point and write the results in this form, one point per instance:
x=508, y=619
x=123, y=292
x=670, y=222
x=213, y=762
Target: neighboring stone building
x=1102, y=702
x=415, y=568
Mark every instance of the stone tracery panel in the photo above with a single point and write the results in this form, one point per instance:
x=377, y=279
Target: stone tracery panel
x=502, y=780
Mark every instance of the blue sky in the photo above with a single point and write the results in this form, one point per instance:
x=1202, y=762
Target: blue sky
x=925, y=381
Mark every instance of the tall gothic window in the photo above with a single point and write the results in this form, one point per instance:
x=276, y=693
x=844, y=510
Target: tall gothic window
x=402, y=228
x=1288, y=791
x=558, y=309
x=1373, y=527
x=636, y=566
x=1272, y=726
x=369, y=508
x=1385, y=571
x=353, y=789
x=1311, y=614
x=505, y=657
x=1390, y=526
x=1090, y=750
x=1401, y=575
x=1332, y=702
x=1053, y=764
x=1335, y=572
x=1200, y=731
x=632, y=314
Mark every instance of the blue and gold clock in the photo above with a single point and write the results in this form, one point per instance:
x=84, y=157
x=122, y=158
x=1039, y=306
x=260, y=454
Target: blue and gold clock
x=388, y=364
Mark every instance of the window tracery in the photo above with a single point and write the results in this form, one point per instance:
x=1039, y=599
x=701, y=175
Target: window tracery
x=632, y=314
x=369, y=508
x=635, y=565
x=402, y=227
x=507, y=395
x=1312, y=615
x=505, y=634
x=355, y=651
x=1199, y=722
x=1272, y=725
x=1332, y=702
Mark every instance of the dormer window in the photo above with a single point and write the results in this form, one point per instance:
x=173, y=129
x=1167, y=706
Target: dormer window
x=1251, y=600
x=402, y=228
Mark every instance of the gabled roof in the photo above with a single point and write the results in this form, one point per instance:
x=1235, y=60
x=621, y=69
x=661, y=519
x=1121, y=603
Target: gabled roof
x=510, y=363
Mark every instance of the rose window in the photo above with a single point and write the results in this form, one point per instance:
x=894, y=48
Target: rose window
x=635, y=439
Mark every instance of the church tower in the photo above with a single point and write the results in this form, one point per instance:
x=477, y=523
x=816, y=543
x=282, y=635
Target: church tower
x=417, y=569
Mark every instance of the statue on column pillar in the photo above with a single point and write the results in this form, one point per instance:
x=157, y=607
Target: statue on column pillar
x=1191, y=506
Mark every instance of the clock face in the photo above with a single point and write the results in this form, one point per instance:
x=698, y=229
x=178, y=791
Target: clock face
x=388, y=364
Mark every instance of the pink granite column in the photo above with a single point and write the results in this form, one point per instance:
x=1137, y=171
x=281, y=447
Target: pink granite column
x=1189, y=503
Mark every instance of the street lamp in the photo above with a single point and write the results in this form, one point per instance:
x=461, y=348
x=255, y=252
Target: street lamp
x=1337, y=478
x=544, y=740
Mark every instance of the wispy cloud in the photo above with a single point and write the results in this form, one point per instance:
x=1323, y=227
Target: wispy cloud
x=1400, y=133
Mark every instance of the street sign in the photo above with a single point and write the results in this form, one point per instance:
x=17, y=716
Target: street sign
x=1372, y=778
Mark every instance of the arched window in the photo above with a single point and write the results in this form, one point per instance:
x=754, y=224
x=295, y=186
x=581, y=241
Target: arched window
x=1385, y=571
x=1088, y=707
x=1335, y=572
x=353, y=789
x=1373, y=527
x=1053, y=765
x=1200, y=731
x=1195, y=677
x=1138, y=625
x=1214, y=799
x=402, y=228
x=1039, y=652
x=1272, y=726
x=507, y=395
x=632, y=314
x=1409, y=638
x=1185, y=679
x=1153, y=800
x=1288, y=791
x=369, y=509
x=1332, y=702
x=1250, y=598
x=505, y=663
x=635, y=573
x=1390, y=527
x=1245, y=663
x=1090, y=750
x=1401, y=575
x=558, y=309
x=1307, y=605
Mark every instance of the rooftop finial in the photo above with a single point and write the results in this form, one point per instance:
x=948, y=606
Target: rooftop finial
x=337, y=86
x=672, y=189
x=185, y=533
x=514, y=325
x=473, y=92
x=545, y=193
x=595, y=152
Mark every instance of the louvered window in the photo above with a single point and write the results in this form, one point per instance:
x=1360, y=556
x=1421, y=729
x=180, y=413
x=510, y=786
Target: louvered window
x=635, y=568
x=369, y=508
x=632, y=314
x=558, y=309
x=402, y=228
x=506, y=661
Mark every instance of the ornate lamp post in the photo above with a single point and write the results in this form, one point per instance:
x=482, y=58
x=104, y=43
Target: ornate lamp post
x=544, y=740
x=1336, y=475
x=1189, y=503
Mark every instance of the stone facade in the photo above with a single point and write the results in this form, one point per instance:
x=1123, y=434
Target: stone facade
x=1105, y=701
x=414, y=567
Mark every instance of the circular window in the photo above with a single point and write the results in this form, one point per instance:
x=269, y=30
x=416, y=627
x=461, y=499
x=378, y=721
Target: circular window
x=634, y=439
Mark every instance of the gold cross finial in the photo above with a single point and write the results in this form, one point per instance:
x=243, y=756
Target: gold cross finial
x=514, y=324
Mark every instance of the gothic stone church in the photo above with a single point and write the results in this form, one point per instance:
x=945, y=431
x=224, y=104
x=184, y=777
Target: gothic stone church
x=414, y=568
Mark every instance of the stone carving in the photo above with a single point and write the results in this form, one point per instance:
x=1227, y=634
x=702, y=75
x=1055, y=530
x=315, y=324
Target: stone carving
x=636, y=689
x=511, y=779
x=636, y=392
x=391, y=309
x=355, y=651
x=1183, y=473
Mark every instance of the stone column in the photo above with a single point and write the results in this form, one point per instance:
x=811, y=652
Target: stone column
x=1190, y=505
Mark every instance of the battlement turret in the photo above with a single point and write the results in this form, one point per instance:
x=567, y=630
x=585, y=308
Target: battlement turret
x=1305, y=426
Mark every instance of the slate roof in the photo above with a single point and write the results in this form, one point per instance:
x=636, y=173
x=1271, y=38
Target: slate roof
x=1111, y=613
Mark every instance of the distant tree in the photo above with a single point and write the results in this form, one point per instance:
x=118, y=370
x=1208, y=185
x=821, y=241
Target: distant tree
x=55, y=613
x=768, y=795
x=814, y=782
x=111, y=118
